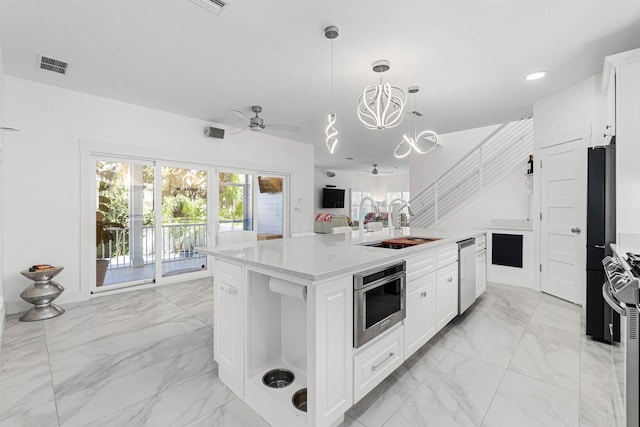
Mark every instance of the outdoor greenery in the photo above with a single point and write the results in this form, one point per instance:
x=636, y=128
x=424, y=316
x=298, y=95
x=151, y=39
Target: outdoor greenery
x=184, y=195
x=184, y=201
x=230, y=196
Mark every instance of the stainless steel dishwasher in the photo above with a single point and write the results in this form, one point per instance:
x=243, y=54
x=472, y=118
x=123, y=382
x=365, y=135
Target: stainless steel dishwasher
x=466, y=274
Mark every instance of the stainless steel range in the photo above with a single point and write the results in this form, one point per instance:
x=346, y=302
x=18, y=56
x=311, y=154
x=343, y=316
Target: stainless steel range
x=621, y=292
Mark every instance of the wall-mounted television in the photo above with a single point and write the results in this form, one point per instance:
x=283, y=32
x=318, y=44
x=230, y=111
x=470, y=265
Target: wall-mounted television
x=332, y=198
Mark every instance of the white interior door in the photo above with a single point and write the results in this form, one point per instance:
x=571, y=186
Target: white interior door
x=563, y=207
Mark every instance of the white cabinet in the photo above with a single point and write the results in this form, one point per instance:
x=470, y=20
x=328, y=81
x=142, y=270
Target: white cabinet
x=447, y=294
x=481, y=272
x=481, y=265
x=627, y=143
x=420, y=323
x=376, y=361
x=331, y=367
x=446, y=255
x=228, y=325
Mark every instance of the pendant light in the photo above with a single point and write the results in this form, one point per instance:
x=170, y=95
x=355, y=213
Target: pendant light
x=381, y=106
x=423, y=142
x=331, y=131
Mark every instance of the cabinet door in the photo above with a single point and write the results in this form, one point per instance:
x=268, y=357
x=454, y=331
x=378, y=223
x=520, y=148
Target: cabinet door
x=446, y=294
x=610, y=111
x=420, y=323
x=481, y=272
x=377, y=361
x=228, y=328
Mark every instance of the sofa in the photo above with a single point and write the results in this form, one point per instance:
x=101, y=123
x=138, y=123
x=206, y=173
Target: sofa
x=324, y=223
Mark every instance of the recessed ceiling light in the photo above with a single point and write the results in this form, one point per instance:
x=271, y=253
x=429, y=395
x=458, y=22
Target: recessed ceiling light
x=537, y=75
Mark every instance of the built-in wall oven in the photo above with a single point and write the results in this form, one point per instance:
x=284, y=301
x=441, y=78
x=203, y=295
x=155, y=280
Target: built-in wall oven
x=379, y=301
x=620, y=291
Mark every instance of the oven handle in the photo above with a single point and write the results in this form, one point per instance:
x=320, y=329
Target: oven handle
x=616, y=306
x=390, y=278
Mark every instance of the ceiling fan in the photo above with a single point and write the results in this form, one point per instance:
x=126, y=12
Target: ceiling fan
x=256, y=123
x=376, y=171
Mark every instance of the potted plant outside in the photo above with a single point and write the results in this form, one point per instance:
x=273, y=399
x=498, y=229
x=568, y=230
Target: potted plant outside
x=103, y=236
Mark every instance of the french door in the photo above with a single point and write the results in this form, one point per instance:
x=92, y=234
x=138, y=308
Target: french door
x=149, y=218
x=270, y=202
x=251, y=204
x=150, y=215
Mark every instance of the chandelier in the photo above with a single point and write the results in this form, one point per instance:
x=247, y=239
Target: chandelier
x=381, y=106
x=330, y=131
x=423, y=142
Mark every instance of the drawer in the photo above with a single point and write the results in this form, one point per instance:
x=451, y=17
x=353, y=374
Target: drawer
x=447, y=255
x=377, y=361
x=420, y=265
x=481, y=242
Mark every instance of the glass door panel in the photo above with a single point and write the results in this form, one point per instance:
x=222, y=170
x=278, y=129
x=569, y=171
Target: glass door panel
x=124, y=223
x=184, y=220
x=235, y=202
x=269, y=208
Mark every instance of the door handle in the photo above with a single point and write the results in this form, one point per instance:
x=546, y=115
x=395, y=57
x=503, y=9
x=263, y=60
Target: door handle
x=575, y=230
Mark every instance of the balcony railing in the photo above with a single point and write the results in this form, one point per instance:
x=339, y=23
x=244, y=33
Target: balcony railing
x=178, y=241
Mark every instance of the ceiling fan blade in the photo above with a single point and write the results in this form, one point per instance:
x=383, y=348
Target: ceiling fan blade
x=238, y=131
x=239, y=114
x=283, y=128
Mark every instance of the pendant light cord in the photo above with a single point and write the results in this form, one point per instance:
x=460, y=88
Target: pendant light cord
x=331, y=101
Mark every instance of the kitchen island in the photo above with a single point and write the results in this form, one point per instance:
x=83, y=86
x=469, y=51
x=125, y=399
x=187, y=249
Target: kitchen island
x=289, y=304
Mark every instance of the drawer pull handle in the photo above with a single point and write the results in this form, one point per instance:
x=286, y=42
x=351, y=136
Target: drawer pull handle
x=450, y=279
x=229, y=289
x=375, y=367
x=423, y=294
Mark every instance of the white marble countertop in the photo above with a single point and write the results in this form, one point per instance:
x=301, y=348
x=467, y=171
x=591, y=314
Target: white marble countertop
x=323, y=256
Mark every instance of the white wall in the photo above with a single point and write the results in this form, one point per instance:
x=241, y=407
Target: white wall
x=43, y=164
x=2, y=270
x=574, y=107
x=507, y=200
x=348, y=180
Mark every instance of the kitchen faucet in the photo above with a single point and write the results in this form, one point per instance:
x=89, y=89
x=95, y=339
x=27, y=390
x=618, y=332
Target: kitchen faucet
x=405, y=204
x=361, y=217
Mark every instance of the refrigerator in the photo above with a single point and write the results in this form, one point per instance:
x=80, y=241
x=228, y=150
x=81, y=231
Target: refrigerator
x=601, y=232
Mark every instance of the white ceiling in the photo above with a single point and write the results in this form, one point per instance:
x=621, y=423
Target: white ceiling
x=469, y=58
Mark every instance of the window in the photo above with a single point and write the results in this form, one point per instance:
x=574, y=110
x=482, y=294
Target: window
x=127, y=250
x=124, y=222
x=184, y=219
x=391, y=195
x=235, y=199
x=269, y=207
x=356, y=199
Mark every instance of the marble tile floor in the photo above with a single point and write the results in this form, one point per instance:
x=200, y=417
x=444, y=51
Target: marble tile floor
x=144, y=358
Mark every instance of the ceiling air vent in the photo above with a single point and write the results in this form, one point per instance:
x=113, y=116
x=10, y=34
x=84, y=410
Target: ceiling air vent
x=54, y=65
x=215, y=6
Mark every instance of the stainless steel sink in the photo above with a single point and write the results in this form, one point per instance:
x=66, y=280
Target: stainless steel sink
x=387, y=245
x=402, y=242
